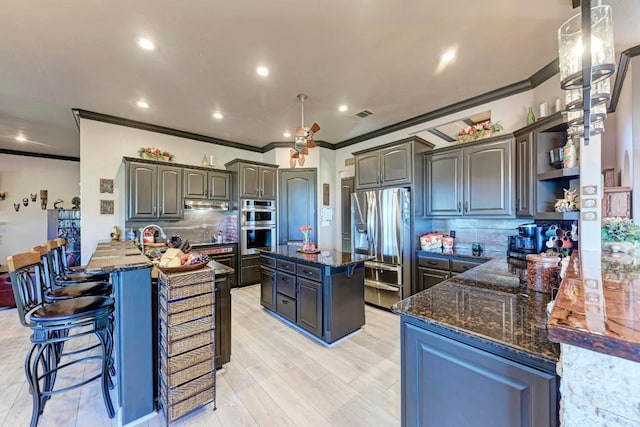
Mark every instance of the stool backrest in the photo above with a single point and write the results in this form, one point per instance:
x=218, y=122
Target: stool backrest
x=46, y=258
x=25, y=271
x=56, y=249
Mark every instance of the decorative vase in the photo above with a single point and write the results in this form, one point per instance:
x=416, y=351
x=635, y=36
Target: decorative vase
x=531, y=118
x=306, y=244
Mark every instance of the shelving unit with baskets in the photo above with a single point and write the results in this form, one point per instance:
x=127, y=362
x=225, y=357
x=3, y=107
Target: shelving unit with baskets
x=186, y=337
x=65, y=223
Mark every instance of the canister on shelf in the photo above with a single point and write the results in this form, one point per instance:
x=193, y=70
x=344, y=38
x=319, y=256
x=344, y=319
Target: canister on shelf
x=542, y=272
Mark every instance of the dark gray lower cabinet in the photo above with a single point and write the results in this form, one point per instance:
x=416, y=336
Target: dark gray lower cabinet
x=449, y=383
x=428, y=277
x=223, y=319
x=309, y=306
x=268, y=288
x=249, y=269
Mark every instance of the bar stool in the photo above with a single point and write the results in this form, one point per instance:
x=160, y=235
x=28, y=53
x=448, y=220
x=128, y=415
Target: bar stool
x=53, y=292
x=55, y=324
x=62, y=276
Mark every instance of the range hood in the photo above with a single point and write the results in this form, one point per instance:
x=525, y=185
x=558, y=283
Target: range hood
x=214, y=205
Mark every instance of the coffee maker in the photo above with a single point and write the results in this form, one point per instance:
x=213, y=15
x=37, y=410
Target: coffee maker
x=529, y=240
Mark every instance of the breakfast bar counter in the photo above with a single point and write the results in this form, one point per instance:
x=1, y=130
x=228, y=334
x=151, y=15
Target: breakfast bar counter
x=131, y=280
x=322, y=294
x=478, y=338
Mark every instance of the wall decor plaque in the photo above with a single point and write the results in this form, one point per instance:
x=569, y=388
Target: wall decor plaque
x=106, y=207
x=106, y=185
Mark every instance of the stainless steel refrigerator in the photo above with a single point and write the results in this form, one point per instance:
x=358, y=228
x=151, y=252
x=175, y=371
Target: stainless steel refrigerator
x=381, y=227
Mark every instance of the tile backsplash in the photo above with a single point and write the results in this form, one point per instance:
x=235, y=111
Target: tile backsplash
x=197, y=225
x=492, y=233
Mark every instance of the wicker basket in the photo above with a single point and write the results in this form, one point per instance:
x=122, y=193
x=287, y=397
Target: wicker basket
x=173, y=410
x=188, y=374
x=186, y=316
x=174, y=293
x=173, y=348
x=184, y=330
x=187, y=278
x=178, y=306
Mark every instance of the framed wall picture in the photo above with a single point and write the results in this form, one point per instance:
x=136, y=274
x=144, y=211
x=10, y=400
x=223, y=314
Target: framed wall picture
x=106, y=207
x=106, y=185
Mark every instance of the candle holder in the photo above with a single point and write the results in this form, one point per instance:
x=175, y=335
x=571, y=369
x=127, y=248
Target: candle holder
x=3, y=195
x=25, y=201
x=34, y=197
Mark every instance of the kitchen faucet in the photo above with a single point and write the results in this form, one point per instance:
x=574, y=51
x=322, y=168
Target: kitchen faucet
x=157, y=227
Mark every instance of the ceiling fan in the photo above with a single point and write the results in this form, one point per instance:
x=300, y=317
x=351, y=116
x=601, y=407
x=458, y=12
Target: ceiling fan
x=303, y=138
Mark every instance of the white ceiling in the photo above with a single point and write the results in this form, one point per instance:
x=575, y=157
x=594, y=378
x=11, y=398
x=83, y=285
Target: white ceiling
x=376, y=54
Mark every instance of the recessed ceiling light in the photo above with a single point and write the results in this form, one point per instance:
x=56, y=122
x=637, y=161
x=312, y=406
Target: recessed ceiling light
x=287, y=134
x=20, y=138
x=343, y=108
x=448, y=56
x=146, y=44
x=263, y=71
x=142, y=104
x=217, y=115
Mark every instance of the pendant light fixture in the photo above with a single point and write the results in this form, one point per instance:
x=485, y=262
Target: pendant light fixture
x=587, y=61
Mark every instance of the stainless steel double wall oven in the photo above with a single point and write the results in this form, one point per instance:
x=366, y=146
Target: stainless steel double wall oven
x=257, y=225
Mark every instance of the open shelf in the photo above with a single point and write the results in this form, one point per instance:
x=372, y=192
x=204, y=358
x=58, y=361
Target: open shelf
x=559, y=173
x=558, y=216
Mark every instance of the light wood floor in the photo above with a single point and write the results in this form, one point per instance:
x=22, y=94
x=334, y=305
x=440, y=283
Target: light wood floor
x=277, y=376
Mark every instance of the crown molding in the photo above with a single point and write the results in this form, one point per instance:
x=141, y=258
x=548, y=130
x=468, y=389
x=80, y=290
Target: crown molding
x=41, y=155
x=621, y=74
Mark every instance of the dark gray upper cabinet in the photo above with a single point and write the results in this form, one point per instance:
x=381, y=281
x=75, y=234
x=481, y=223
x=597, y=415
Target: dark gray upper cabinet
x=476, y=180
x=218, y=185
x=443, y=184
x=367, y=170
x=390, y=165
x=255, y=180
x=153, y=191
x=203, y=184
x=524, y=175
x=195, y=183
x=488, y=179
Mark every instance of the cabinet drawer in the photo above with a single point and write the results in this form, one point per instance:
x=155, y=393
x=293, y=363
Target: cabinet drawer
x=286, y=284
x=268, y=261
x=459, y=266
x=286, y=307
x=308, y=272
x=433, y=262
x=288, y=266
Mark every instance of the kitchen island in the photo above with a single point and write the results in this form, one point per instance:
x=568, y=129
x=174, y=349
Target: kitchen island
x=322, y=294
x=130, y=273
x=478, y=338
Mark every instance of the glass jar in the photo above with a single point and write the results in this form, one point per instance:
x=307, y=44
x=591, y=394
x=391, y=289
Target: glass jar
x=542, y=272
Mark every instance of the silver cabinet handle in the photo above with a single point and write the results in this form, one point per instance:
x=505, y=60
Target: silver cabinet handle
x=459, y=207
x=466, y=206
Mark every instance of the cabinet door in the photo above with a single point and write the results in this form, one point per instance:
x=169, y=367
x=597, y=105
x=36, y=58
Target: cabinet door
x=170, y=192
x=249, y=270
x=439, y=373
x=268, y=288
x=488, y=179
x=443, y=184
x=223, y=320
x=367, y=170
x=428, y=277
x=267, y=183
x=346, y=188
x=219, y=186
x=309, y=306
x=195, y=183
x=142, y=191
x=395, y=165
x=524, y=176
x=249, y=181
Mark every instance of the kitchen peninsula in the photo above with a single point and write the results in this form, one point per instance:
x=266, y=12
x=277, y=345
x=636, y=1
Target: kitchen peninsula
x=321, y=293
x=478, y=338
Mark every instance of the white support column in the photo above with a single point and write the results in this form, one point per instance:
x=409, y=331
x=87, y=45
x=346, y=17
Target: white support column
x=590, y=188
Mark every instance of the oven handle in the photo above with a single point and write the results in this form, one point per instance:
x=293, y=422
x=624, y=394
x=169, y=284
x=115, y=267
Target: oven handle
x=258, y=228
x=381, y=266
x=381, y=285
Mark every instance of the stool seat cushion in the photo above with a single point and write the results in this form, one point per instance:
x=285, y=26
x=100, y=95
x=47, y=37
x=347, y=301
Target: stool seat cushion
x=81, y=277
x=70, y=309
x=79, y=290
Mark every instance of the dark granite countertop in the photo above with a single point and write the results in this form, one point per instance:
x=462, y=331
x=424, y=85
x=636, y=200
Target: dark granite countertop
x=488, y=305
x=597, y=305
x=117, y=256
x=462, y=252
x=220, y=269
x=331, y=258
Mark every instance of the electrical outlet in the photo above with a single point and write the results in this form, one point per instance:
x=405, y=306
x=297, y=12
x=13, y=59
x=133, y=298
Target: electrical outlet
x=452, y=233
